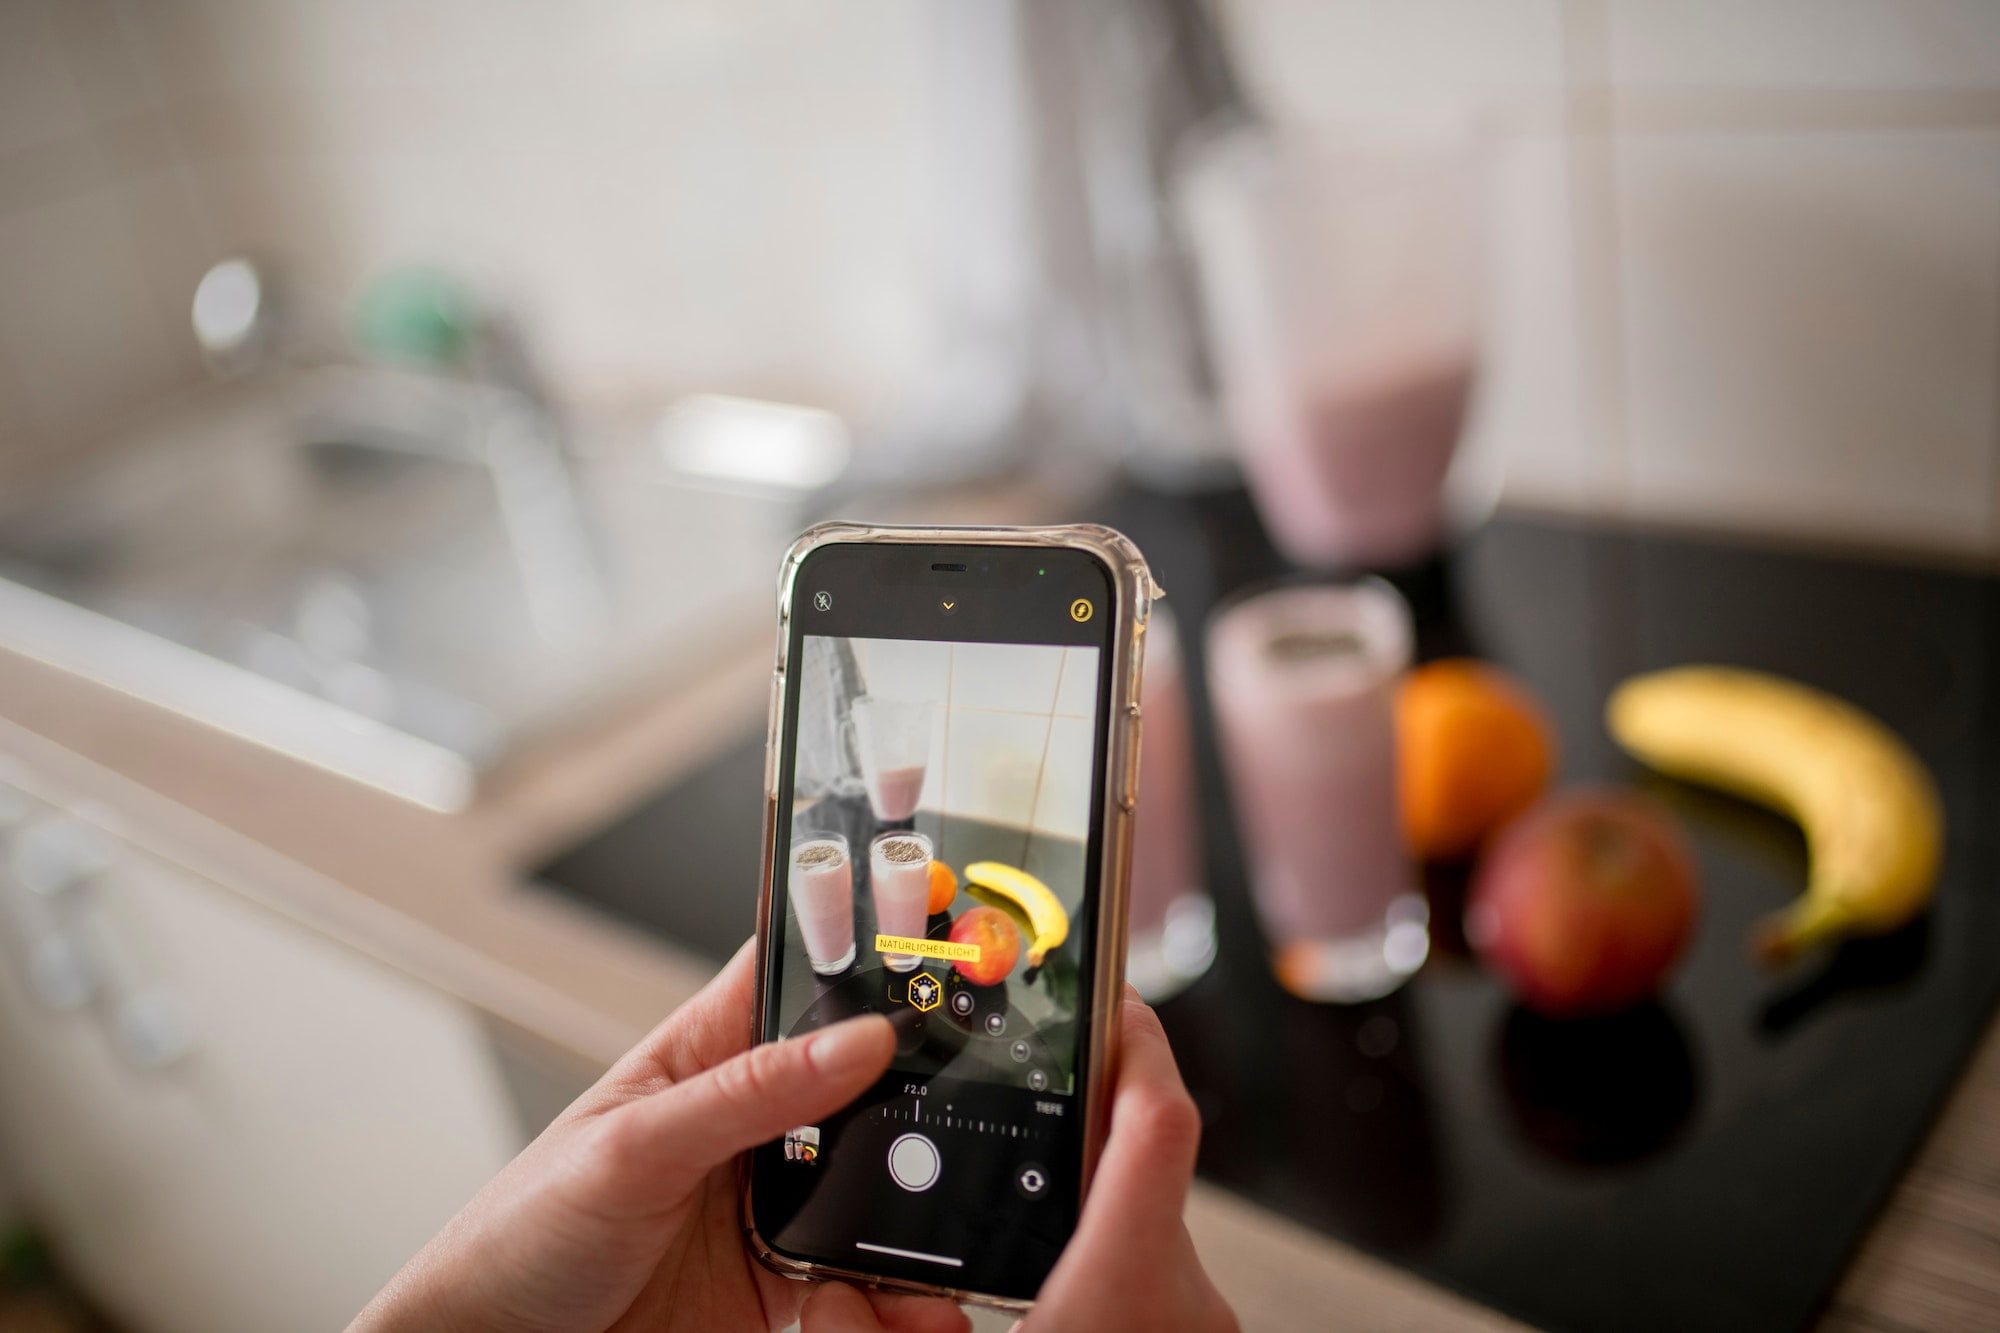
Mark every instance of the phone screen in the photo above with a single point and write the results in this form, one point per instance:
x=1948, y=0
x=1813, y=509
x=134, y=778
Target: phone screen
x=938, y=842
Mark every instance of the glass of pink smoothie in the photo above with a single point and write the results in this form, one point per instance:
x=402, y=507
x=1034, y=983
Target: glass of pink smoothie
x=893, y=740
x=1339, y=283
x=1172, y=916
x=822, y=894
x=899, y=877
x=1303, y=681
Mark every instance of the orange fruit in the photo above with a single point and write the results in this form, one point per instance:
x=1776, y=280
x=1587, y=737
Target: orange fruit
x=944, y=887
x=1473, y=749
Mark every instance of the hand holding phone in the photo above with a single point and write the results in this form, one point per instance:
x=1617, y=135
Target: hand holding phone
x=1131, y=1263
x=626, y=1204
x=624, y=1209
x=627, y=1207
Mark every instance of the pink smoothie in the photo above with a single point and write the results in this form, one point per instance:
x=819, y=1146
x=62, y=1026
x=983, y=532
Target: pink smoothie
x=822, y=892
x=1350, y=472
x=894, y=793
x=899, y=875
x=1303, y=681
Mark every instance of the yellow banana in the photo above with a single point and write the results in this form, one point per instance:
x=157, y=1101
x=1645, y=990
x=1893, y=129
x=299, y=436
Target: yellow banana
x=1867, y=805
x=1045, y=914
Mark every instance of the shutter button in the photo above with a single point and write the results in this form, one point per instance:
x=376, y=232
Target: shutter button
x=914, y=1163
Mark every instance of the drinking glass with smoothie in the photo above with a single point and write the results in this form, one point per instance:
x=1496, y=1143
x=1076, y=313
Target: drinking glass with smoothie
x=1303, y=681
x=899, y=876
x=893, y=740
x=822, y=892
x=1339, y=283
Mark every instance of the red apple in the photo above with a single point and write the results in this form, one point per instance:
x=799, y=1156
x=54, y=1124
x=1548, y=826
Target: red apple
x=1585, y=902
x=999, y=945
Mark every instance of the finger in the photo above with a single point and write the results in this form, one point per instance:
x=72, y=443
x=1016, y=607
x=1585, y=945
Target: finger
x=653, y=1148
x=835, y=1307
x=1142, y=1175
x=918, y=1314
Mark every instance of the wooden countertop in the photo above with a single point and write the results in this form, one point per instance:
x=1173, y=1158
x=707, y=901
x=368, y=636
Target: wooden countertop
x=439, y=897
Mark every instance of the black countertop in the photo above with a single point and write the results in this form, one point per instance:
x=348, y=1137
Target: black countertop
x=1707, y=1161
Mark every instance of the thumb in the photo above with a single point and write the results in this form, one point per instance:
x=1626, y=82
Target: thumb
x=835, y=1307
x=658, y=1146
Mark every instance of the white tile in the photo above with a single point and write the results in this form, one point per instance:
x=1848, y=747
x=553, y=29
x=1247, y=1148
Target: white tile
x=992, y=766
x=1076, y=695
x=287, y=207
x=100, y=53
x=180, y=49
x=174, y=249
x=1830, y=44
x=1010, y=677
x=79, y=326
x=38, y=98
x=933, y=796
x=21, y=440
x=910, y=669
x=634, y=179
x=384, y=44
x=1063, y=805
x=1810, y=325
x=1395, y=62
x=1528, y=421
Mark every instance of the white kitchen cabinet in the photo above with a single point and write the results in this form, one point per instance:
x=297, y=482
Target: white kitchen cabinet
x=237, y=1124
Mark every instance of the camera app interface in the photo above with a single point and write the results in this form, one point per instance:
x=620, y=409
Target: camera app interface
x=940, y=830
x=937, y=870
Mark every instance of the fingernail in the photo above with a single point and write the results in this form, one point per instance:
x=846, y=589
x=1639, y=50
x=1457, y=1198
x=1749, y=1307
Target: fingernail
x=846, y=1047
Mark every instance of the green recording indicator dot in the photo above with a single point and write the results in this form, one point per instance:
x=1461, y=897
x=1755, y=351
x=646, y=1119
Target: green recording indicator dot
x=1041, y=571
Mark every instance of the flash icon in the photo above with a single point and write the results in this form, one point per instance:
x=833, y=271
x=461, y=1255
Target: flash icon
x=1080, y=609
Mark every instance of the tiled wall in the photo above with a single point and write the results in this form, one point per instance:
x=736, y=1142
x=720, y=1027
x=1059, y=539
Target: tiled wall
x=707, y=193
x=1747, y=255
x=101, y=234
x=1012, y=740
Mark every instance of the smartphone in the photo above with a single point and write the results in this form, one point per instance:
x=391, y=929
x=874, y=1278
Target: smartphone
x=949, y=781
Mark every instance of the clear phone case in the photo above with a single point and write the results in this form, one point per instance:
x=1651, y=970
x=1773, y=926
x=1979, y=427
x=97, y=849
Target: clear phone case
x=1135, y=591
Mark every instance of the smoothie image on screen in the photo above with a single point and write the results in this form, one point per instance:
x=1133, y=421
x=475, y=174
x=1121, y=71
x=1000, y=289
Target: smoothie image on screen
x=936, y=854
x=893, y=738
x=899, y=868
x=822, y=891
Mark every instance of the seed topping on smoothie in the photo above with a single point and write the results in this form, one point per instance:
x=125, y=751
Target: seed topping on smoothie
x=817, y=854
x=902, y=851
x=1297, y=647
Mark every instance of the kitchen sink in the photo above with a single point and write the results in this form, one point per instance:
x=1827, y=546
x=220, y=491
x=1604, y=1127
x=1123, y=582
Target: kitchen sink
x=395, y=576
